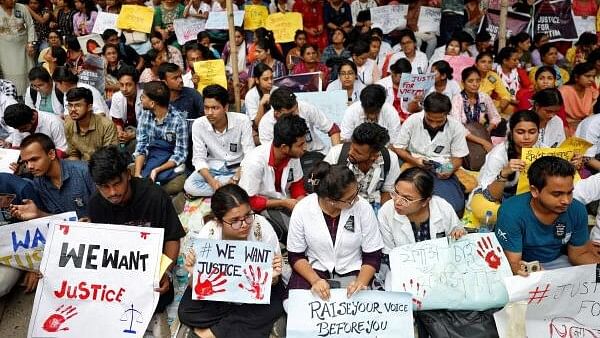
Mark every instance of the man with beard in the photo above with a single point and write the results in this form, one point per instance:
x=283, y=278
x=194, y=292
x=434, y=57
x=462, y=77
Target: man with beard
x=545, y=225
x=86, y=132
x=186, y=100
x=376, y=168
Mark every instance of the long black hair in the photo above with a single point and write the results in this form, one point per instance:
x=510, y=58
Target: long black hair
x=330, y=181
x=520, y=116
x=226, y=198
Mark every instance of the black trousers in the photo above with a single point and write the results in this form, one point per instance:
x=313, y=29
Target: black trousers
x=228, y=320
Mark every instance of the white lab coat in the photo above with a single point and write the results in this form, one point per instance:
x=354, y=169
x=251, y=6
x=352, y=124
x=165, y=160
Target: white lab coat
x=118, y=107
x=99, y=104
x=587, y=191
x=355, y=115
x=308, y=233
x=56, y=105
x=258, y=177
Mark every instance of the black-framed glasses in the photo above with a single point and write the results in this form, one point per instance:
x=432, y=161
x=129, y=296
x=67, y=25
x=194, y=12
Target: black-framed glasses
x=401, y=200
x=237, y=224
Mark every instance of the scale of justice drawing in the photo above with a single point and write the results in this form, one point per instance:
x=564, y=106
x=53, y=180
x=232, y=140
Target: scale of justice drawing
x=132, y=314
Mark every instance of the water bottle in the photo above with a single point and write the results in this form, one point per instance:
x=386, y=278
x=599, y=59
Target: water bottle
x=488, y=227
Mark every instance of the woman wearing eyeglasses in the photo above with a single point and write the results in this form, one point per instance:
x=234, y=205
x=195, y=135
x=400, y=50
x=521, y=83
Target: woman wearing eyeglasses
x=333, y=237
x=233, y=220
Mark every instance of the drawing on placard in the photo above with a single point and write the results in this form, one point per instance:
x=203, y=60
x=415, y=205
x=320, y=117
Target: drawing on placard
x=209, y=286
x=130, y=315
x=561, y=327
x=256, y=284
x=490, y=254
x=417, y=290
x=54, y=322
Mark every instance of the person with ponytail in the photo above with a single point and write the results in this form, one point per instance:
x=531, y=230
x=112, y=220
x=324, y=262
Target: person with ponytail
x=547, y=104
x=333, y=235
x=232, y=219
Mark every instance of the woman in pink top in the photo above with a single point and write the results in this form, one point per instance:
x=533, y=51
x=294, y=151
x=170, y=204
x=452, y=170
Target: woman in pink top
x=579, y=94
x=84, y=19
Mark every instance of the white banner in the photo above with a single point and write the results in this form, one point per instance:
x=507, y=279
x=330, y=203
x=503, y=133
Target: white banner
x=105, y=21
x=457, y=275
x=99, y=281
x=22, y=244
x=389, y=17
x=218, y=20
x=429, y=19
x=365, y=314
x=188, y=29
x=560, y=303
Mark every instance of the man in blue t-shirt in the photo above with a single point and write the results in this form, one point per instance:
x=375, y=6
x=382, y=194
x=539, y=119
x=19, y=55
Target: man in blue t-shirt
x=546, y=223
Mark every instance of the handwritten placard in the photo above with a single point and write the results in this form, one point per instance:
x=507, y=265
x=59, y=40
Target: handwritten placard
x=218, y=20
x=233, y=271
x=136, y=18
x=365, y=314
x=210, y=72
x=412, y=85
x=99, y=281
x=429, y=19
x=8, y=156
x=22, y=244
x=284, y=25
x=559, y=303
x=255, y=16
x=187, y=29
x=389, y=17
x=105, y=21
x=446, y=274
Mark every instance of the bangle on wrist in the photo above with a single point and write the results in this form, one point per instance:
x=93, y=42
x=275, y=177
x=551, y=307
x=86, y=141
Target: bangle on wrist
x=501, y=178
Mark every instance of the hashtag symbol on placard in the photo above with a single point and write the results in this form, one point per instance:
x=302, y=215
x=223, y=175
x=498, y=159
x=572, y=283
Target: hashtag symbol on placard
x=538, y=294
x=205, y=250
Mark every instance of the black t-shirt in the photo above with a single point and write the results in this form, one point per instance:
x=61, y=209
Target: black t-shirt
x=149, y=206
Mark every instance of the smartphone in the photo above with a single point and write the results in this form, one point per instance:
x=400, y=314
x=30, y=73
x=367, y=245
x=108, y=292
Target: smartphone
x=334, y=284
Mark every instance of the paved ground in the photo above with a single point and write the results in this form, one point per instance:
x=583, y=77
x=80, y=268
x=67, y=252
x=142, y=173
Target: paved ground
x=15, y=309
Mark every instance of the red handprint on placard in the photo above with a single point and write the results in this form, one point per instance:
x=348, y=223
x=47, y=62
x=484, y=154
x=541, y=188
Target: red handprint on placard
x=415, y=288
x=257, y=282
x=488, y=253
x=60, y=315
x=209, y=286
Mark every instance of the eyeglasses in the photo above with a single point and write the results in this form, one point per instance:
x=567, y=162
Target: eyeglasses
x=401, y=200
x=347, y=74
x=352, y=200
x=237, y=224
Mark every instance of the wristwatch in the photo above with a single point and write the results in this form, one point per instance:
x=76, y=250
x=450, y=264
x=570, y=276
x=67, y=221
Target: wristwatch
x=501, y=178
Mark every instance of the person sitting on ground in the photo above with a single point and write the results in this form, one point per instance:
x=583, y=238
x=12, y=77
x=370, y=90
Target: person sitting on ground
x=126, y=107
x=347, y=81
x=186, y=100
x=43, y=93
x=547, y=104
x=65, y=80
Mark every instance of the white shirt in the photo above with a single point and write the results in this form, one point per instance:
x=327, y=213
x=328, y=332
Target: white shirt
x=356, y=7
x=589, y=130
x=355, y=115
x=451, y=90
x=356, y=89
x=48, y=124
x=212, y=149
x=99, y=105
x=587, y=191
x=357, y=232
x=367, y=73
x=495, y=160
x=5, y=101
x=419, y=64
x=447, y=143
x=388, y=84
x=187, y=80
x=258, y=177
x=383, y=52
x=252, y=100
x=118, y=106
x=554, y=133
x=315, y=120
x=378, y=183
x=57, y=107
x=396, y=229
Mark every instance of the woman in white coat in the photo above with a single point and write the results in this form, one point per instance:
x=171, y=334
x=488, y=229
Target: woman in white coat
x=333, y=239
x=413, y=215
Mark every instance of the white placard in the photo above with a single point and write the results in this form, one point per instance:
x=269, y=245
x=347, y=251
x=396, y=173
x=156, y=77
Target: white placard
x=389, y=17
x=8, y=156
x=429, y=19
x=218, y=20
x=188, y=29
x=105, y=21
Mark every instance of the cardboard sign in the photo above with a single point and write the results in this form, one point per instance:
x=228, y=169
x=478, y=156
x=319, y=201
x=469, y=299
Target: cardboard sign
x=284, y=25
x=332, y=103
x=93, y=72
x=389, y=17
x=136, y=18
x=188, y=29
x=218, y=20
x=8, y=156
x=585, y=24
x=91, y=44
x=412, y=85
x=555, y=19
x=515, y=23
x=365, y=314
x=99, y=281
x=307, y=82
x=429, y=19
x=560, y=303
x=446, y=274
x=233, y=271
x=105, y=21
x=255, y=16
x=22, y=244
x=210, y=72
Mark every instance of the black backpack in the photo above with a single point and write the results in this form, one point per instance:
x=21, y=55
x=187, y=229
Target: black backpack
x=384, y=152
x=59, y=95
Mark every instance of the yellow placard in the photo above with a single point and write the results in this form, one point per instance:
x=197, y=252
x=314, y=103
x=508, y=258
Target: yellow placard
x=284, y=25
x=579, y=145
x=210, y=72
x=529, y=155
x=165, y=261
x=255, y=16
x=136, y=18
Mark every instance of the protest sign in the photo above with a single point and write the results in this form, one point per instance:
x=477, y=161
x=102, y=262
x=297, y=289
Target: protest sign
x=307, y=82
x=187, y=29
x=365, y=314
x=22, y=244
x=458, y=63
x=105, y=21
x=8, y=156
x=466, y=274
x=284, y=25
x=93, y=72
x=389, y=17
x=210, y=72
x=412, y=85
x=99, y=281
x=136, y=18
x=233, y=271
x=555, y=19
x=515, y=23
x=91, y=44
x=429, y=19
x=585, y=24
x=332, y=103
x=255, y=16
x=218, y=20
x=578, y=144
x=560, y=303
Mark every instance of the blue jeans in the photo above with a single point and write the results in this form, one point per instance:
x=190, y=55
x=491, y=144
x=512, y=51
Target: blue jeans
x=196, y=185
